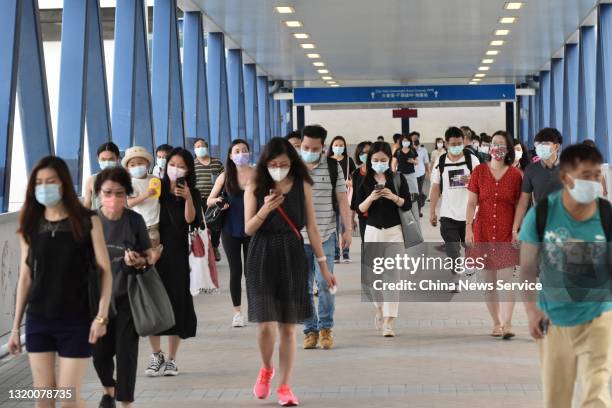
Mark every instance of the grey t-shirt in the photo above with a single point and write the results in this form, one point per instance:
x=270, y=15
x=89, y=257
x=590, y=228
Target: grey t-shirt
x=130, y=230
x=541, y=180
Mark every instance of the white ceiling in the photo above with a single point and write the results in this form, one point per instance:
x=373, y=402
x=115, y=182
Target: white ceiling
x=396, y=41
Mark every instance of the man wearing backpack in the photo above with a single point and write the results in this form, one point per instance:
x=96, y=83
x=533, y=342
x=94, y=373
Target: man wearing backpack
x=329, y=196
x=572, y=319
x=449, y=179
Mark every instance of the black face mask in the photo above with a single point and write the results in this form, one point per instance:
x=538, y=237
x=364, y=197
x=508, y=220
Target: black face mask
x=416, y=142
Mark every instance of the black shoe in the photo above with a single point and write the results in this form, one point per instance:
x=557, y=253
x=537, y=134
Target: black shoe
x=107, y=402
x=217, y=254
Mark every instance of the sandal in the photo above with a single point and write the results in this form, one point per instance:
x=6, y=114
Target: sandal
x=507, y=333
x=498, y=331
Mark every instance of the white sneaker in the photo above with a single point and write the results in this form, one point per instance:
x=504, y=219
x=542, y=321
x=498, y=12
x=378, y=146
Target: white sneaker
x=388, y=331
x=238, y=320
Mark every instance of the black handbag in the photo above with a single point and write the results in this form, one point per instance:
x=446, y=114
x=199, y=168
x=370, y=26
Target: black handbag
x=149, y=302
x=213, y=216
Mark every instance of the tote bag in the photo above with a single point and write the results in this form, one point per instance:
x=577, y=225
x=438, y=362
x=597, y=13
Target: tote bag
x=149, y=302
x=411, y=229
x=202, y=262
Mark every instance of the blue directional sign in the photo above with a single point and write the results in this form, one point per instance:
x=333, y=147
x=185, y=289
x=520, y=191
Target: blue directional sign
x=398, y=94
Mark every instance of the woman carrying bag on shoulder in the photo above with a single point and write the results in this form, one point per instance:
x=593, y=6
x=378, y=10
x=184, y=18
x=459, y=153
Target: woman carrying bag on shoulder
x=378, y=197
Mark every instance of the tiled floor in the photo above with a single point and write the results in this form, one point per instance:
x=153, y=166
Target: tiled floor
x=442, y=357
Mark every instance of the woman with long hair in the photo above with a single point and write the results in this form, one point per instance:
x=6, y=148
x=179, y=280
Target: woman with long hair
x=228, y=193
x=495, y=188
x=278, y=204
x=361, y=157
x=380, y=199
x=60, y=241
x=181, y=209
x=108, y=156
x=339, y=152
x=522, y=158
x=403, y=161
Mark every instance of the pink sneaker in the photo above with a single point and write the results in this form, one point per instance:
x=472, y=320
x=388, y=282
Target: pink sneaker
x=286, y=397
x=262, y=387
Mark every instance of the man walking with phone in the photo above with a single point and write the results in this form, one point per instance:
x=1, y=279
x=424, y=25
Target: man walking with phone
x=566, y=238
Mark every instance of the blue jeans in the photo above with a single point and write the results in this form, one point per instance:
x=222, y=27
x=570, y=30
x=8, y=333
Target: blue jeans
x=339, y=231
x=324, y=319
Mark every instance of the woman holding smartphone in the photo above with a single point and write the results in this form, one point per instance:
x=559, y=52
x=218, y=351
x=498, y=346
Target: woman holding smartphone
x=278, y=204
x=378, y=197
x=181, y=207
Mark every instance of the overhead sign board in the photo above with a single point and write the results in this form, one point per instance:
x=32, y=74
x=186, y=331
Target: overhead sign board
x=403, y=94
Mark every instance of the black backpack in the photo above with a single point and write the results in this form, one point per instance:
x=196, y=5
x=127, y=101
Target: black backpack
x=332, y=165
x=442, y=164
x=605, y=213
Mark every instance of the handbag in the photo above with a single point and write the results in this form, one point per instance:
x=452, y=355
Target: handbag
x=213, y=217
x=151, y=308
x=202, y=266
x=411, y=230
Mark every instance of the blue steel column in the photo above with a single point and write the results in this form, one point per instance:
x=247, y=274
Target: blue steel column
x=97, y=111
x=194, y=79
x=32, y=88
x=166, y=93
x=570, y=94
x=235, y=87
x=586, y=83
x=264, y=109
x=544, y=112
x=556, y=93
x=217, y=95
x=73, y=68
x=603, y=104
x=131, y=114
x=251, y=108
x=9, y=52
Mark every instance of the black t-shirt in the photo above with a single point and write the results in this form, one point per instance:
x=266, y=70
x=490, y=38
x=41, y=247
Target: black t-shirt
x=347, y=161
x=402, y=160
x=383, y=212
x=130, y=230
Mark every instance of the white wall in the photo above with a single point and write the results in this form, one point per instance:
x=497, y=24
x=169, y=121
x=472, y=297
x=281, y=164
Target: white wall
x=367, y=124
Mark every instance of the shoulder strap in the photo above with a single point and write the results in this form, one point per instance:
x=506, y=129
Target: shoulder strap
x=468, y=160
x=397, y=182
x=605, y=213
x=441, y=163
x=541, y=210
x=332, y=168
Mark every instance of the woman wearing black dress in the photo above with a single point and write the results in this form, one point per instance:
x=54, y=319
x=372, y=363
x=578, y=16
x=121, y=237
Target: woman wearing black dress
x=180, y=207
x=278, y=204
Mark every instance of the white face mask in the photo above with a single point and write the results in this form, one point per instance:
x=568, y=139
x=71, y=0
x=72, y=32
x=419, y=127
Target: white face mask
x=518, y=155
x=278, y=173
x=585, y=191
x=440, y=145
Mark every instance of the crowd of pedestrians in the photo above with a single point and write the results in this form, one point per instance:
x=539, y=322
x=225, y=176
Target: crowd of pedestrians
x=286, y=218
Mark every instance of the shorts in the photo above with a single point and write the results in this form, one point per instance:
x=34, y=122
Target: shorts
x=68, y=337
x=154, y=236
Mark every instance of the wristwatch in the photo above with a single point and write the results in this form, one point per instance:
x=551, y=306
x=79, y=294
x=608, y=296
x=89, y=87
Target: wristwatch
x=101, y=320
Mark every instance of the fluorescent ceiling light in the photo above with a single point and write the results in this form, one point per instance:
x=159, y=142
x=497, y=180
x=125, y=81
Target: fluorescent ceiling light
x=513, y=5
x=327, y=78
x=334, y=85
x=492, y=52
x=507, y=20
x=308, y=46
x=502, y=32
x=476, y=79
x=318, y=64
x=293, y=23
x=313, y=56
x=497, y=43
x=285, y=9
x=484, y=68
x=480, y=75
x=323, y=71
x=488, y=61
x=332, y=82
x=301, y=36
x=473, y=83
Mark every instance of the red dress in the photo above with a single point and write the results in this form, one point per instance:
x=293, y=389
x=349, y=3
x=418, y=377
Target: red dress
x=497, y=201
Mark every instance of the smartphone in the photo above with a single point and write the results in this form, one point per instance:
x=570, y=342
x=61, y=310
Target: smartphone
x=180, y=181
x=544, y=323
x=272, y=192
x=379, y=187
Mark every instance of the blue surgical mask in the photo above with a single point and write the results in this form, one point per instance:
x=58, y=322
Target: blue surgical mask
x=363, y=157
x=161, y=162
x=406, y=143
x=585, y=191
x=380, y=167
x=455, y=150
x=48, y=194
x=544, y=151
x=107, y=164
x=338, y=150
x=310, y=157
x=138, y=171
x=201, y=151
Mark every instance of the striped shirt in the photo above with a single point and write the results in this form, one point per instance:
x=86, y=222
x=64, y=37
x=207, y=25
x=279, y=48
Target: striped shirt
x=206, y=176
x=322, y=198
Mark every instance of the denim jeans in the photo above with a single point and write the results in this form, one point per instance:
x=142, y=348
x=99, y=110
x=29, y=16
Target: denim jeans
x=339, y=231
x=324, y=318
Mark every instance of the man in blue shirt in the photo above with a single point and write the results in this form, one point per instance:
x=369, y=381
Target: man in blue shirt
x=572, y=320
